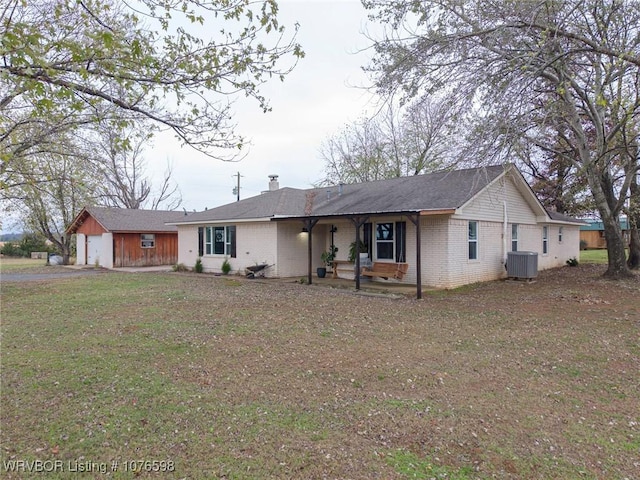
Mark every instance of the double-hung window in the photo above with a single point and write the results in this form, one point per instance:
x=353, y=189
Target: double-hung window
x=384, y=241
x=473, y=240
x=545, y=240
x=390, y=241
x=560, y=232
x=218, y=240
x=514, y=237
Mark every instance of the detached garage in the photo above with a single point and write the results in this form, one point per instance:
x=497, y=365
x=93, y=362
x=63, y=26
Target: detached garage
x=118, y=237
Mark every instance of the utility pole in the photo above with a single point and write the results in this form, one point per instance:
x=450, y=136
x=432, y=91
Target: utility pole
x=236, y=189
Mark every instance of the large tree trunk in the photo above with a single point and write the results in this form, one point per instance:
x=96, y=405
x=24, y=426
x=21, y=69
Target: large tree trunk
x=633, y=262
x=66, y=250
x=604, y=199
x=615, y=249
x=62, y=244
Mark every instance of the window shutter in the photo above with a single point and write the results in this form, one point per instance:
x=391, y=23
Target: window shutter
x=368, y=238
x=232, y=240
x=200, y=241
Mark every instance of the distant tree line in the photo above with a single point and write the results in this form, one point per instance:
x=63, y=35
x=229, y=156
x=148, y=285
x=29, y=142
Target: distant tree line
x=21, y=245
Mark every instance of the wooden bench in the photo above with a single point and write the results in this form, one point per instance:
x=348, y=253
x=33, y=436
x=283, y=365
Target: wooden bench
x=386, y=270
x=342, y=265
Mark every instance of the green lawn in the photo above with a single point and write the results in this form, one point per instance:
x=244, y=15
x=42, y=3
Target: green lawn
x=195, y=376
x=8, y=265
x=593, y=256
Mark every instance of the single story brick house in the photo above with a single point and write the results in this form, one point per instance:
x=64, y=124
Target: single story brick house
x=119, y=237
x=451, y=227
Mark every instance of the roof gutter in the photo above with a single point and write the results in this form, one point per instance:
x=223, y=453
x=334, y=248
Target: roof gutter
x=563, y=222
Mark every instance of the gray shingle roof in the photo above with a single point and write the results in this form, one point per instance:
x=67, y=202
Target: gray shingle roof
x=285, y=201
x=563, y=218
x=126, y=220
x=435, y=191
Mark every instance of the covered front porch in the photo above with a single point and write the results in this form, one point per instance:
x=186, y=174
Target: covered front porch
x=386, y=239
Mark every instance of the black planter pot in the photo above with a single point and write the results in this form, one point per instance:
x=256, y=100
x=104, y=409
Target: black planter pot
x=322, y=272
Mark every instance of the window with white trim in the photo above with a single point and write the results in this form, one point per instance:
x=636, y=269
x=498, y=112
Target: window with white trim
x=219, y=240
x=384, y=241
x=545, y=240
x=473, y=240
x=514, y=237
x=390, y=241
x=560, y=233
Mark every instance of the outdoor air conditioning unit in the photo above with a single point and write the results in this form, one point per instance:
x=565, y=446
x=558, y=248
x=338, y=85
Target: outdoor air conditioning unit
x=522, y=265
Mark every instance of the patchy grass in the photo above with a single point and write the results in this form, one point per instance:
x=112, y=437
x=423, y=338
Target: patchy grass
x=410, y=465
x=232, y=378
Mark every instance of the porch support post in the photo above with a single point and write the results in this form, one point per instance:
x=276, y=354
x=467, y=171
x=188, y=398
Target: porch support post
x=309, y=223
x=358, y=222
x=415, y=219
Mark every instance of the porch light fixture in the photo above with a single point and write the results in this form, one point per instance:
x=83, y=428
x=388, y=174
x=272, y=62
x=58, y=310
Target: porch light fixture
x=305, y=230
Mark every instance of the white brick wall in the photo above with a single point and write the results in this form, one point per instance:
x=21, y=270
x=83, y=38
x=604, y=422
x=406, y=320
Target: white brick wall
x=256, y=243
x=457, y=268
x=435, y=248
x=275, y=243
x=293, y=247
x=559, y=252
x=188, y=245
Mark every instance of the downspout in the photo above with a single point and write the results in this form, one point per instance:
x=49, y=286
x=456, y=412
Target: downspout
x=505, y=232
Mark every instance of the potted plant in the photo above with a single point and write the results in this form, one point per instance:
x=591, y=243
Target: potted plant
x=352, y=255
x=352, y=250
x=327, y=258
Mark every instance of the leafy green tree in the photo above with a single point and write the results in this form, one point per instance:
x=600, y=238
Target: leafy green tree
x=69, y=63
x=529, y=71
x=30, y=242
x=49, y=195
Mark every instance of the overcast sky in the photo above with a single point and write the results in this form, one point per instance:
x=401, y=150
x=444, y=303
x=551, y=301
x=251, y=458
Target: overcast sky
x=323, y=94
